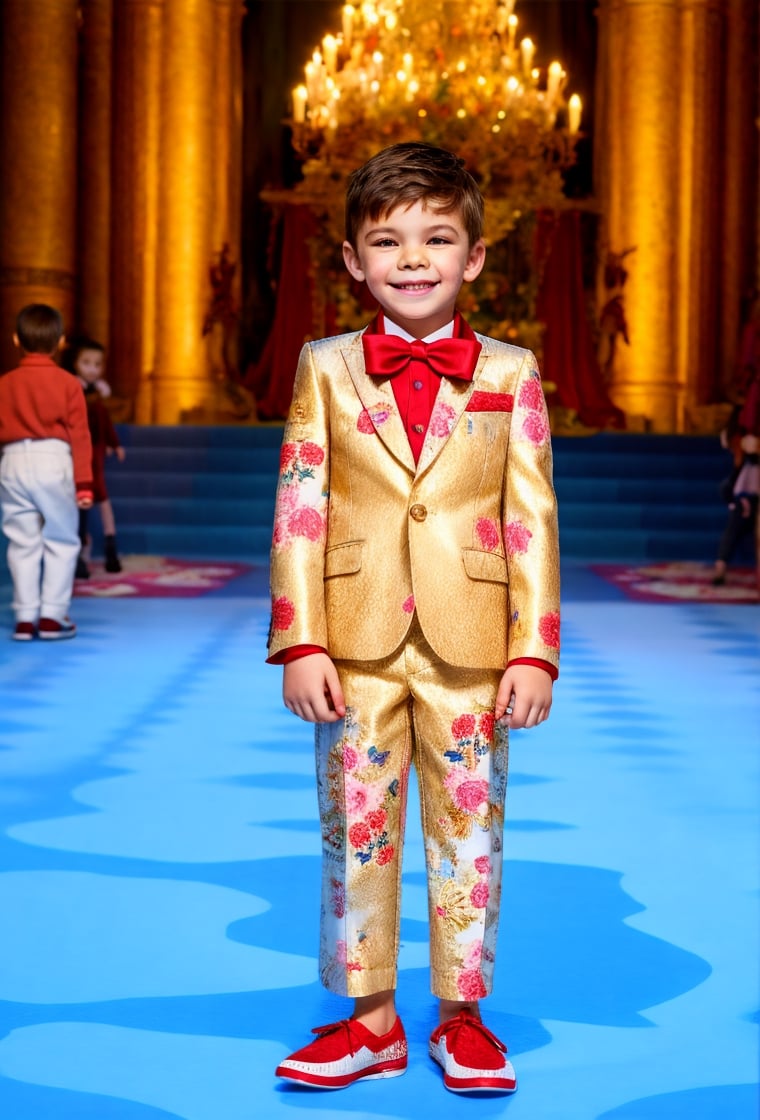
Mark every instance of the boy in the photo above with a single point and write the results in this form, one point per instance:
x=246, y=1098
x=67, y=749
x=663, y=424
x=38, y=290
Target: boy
x=45, y=474
x=415, y=591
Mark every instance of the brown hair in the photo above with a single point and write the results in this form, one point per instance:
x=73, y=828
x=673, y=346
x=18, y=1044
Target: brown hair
x=413, y=172
x=39, y=328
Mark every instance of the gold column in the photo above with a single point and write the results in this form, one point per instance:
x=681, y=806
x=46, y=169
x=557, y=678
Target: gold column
x=740, y=184
x=94, y=202
x=698, y=170
x=38, y=93
x=135, y=169
x=182, y=382
x=641, y=201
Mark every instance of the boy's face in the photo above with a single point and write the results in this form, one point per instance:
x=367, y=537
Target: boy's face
x=89, y=365
x=414, y=261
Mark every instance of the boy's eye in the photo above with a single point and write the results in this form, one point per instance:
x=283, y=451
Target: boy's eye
x=439, y=240
x=383, y=242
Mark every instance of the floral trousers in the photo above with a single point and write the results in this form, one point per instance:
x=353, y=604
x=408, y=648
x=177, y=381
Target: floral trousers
x=411, y=708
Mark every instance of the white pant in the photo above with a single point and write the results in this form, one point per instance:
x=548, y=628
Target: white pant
x=41, y=522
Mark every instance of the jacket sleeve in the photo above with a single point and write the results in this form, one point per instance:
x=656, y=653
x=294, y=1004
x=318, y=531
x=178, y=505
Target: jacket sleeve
x=531, y=533
x=300, y=520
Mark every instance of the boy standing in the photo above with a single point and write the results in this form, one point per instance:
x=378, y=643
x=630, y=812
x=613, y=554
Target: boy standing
x=45, y=474
x=415, y=607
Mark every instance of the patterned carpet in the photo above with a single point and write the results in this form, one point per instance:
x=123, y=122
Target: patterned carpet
x=159, y=856
x=680, y=581
x=155, y=577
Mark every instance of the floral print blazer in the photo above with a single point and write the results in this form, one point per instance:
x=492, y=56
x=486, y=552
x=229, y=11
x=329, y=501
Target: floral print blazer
x=467, y=538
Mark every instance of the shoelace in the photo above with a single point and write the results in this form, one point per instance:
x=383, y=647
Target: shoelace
x=463, y=1020
x=333, y=1028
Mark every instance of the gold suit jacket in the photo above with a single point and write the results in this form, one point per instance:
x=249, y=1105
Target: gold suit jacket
x=467, y=538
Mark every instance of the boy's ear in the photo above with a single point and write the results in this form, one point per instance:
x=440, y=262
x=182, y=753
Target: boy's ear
x=352, y=262
x=475, y=261
x=16, y=341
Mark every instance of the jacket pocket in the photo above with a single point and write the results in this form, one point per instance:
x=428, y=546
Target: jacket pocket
x=485, y=565
x=343, y=559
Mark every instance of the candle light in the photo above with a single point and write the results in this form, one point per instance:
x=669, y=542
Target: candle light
x=574, y=110
x=527, y=49
x=512, y=24
x=300, y=95
x=553, y=78
x=502, y=18
x=349, y=11
x=330, y=49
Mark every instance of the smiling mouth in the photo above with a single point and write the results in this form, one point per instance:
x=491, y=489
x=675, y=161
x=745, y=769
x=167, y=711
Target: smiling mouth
x=420, y=286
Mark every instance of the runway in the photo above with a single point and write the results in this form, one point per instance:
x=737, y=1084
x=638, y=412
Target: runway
x=159, y=875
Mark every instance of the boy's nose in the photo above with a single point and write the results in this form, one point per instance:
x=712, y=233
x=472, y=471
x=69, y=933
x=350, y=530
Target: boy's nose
x=413, y=258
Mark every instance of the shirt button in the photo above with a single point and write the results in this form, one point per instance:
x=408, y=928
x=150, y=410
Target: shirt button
x=417, y=384
x=418, y=428
x=418, y=513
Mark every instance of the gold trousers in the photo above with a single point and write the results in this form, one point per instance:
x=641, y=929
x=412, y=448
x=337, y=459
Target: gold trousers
x=411, y=708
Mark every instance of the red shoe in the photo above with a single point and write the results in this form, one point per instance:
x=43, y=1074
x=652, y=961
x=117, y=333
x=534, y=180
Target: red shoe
x=52, y=629
x=345, y=1052
x=472, y=1058
x=24, y=632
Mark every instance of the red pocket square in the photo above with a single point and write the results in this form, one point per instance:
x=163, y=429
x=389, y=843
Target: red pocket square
x=490, y=402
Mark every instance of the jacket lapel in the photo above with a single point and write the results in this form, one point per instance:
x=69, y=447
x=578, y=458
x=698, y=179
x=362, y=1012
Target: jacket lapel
x=378, y=401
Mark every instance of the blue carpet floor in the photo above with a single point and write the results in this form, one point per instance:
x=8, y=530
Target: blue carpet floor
x=159, y=862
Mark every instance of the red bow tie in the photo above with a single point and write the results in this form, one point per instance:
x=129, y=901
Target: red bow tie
x=385, y=355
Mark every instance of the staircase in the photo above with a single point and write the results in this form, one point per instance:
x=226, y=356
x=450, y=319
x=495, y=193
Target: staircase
x=209, y=492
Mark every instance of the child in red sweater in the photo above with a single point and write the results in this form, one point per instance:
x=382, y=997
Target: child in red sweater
x=86, y=359
x=45, y=475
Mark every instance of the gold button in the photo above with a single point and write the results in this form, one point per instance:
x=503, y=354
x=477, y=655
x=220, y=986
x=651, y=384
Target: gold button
x=418, y=428
x=418, y=513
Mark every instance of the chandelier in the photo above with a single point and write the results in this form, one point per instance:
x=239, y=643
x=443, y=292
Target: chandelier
x=455, y=73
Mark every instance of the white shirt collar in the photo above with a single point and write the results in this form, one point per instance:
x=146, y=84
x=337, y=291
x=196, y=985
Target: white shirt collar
x=393, y=328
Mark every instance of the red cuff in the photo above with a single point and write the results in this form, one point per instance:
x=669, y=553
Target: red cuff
x=293, y=653
x=538, y=664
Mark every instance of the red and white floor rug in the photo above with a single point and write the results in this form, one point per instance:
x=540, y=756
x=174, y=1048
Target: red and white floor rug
x=158, y=577
x=680, y=581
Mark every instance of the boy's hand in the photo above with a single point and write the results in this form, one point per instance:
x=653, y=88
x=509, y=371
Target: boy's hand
x=311, y=689
x=84, y=499
x=120, y=454
x=527, y=690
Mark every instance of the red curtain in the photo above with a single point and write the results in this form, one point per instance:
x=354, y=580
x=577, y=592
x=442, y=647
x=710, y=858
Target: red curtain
x=569, y=352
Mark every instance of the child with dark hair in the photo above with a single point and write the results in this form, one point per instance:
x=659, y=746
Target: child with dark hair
x=86, y=359
x=415, y=608
x=45, y=474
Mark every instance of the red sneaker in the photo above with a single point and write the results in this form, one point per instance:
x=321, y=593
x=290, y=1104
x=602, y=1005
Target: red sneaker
x=472, y=1058
x=24, y=632
x=345, y=1052
x=51, y=629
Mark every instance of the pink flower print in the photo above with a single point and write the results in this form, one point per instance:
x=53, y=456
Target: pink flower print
x=518, y=537
x=468, y=793
x=306, y=522
x=486, y=725
x=470, y=985
x=488, y=533
x=364, y=423
x=341, y=952
x=531, y=395
x=283, y=613
x=483, y=865
x=385, y=855
x=479, y=896
x=287, y=455
x=548, y=628
x=377, y=819
x=312, y=454
x=442, y=420
x=362, y=797
x=536, y=427
x=473, y=957
x=350, y=758
x=463, y=727
x=408, y=605
x=338, y=898
x=359, y=834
